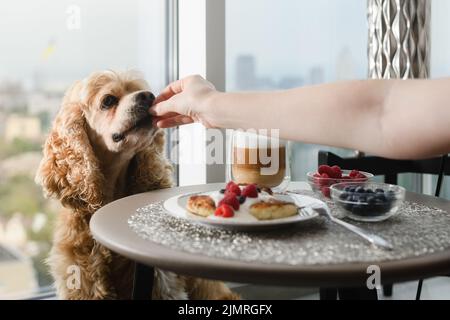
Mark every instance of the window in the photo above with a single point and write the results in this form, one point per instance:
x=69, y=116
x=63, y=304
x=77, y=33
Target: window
x=440, y=67
x=46, y=45
x=284, y=44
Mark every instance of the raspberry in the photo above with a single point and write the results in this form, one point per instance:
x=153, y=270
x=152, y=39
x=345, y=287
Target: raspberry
x=330, y=171
x=250, y=191
x=316, y=177
x=337, y=172
x=224, y=211
x=218, y=212
x=325, y=169
x=324, y=179
x=354, y=173
x=233, y=187
x=230, y=200
x=360, y=176
x=326, y=191
x=227, y=211
x=229, y=193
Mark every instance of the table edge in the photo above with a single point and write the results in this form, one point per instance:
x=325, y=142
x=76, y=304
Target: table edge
x=342, y=274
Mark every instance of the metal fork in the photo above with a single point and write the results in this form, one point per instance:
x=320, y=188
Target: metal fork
x=372, y=238
x=375, y=240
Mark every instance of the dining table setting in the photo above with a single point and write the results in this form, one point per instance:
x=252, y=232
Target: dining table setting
x=335, y=229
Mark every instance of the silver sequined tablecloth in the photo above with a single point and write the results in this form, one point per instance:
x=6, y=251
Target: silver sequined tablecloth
x=416, y=230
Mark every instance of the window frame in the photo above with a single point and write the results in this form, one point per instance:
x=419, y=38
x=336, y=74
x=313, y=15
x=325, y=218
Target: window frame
x=172, y=74
x=201, y=22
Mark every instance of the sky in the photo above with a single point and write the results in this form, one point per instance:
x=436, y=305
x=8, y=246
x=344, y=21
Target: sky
x=291, y=36
x=114, y=34
x=287, y=37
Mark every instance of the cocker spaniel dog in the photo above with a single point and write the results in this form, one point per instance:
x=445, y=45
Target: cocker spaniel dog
x=103, y=147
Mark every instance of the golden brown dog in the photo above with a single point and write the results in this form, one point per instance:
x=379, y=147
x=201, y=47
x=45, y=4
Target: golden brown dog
x=103, y=147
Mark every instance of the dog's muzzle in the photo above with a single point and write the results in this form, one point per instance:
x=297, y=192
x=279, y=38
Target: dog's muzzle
x=143, y=101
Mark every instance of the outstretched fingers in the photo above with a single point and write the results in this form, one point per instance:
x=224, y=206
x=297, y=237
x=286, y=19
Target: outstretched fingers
x=174, y=121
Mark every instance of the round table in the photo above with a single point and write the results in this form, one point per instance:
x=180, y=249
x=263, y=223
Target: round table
x=110, y=228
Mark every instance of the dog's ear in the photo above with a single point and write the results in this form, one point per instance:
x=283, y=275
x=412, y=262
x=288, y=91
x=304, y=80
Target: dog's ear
x=69, y=169
x=149, y=169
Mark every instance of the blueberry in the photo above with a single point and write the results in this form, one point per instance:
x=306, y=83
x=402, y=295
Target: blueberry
x=344, y=196
x=371, y=200
x=242, y=199
x=362, y=199
x=351, y=189
x=222, y=191
x=258, y=189
x=386, y=207
x=360, y=190
x=358, y=209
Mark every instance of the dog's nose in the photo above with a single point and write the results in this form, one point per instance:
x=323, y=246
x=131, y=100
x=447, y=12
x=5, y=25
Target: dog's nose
x=145, y=98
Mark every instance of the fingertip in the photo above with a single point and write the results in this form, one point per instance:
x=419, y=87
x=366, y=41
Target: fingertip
x=156, y=109
x=158, y=99
x=186, y=120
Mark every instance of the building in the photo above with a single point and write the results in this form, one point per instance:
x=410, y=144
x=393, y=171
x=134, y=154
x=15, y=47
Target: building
x=39, y=102
x=12, y=96
x=290, y=82
x=22, y=127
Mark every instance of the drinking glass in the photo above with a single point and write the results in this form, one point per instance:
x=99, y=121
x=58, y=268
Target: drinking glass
x=260, y=159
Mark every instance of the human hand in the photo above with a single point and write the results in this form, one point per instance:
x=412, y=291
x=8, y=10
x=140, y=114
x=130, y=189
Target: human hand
x=184, y=102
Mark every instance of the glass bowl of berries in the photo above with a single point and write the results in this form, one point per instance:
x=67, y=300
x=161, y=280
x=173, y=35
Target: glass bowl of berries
x=321, y=180
x=368, y=202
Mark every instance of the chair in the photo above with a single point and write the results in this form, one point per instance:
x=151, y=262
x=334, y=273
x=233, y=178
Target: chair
x=390, y=169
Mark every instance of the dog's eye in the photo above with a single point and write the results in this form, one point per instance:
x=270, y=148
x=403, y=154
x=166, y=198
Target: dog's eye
x=109, y=101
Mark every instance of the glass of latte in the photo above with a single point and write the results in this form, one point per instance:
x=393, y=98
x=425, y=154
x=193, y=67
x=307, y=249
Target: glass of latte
x=259, y=159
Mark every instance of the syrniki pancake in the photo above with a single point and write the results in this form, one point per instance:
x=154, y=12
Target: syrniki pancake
x=273, y=209
x=201, y=205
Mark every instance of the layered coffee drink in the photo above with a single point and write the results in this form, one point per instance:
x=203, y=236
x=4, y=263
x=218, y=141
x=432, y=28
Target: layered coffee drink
x=258, y=159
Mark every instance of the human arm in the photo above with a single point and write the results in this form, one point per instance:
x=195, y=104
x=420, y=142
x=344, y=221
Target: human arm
x=391, y=118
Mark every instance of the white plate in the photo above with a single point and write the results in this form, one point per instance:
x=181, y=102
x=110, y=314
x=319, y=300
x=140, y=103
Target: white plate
x=176, y=206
